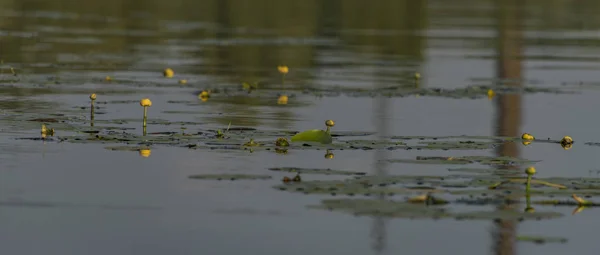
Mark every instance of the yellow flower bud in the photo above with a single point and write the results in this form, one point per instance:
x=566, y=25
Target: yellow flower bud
x=168, y=73
x=530, y=170
x=283, y=69
x=527, y=136
x=283, y=99
x=329, y=123
x=145, y=102
x=145, y=153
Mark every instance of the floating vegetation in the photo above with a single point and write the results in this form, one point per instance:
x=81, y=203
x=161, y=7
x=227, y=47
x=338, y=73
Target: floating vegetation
x=396, y=209
x=315, y=171
x=316, y=135
x=542, y=239
x=127, y=148
x=484, y=160
x=489, y=171
x=229, y=177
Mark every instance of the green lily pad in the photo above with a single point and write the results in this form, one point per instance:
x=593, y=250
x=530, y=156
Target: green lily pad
x=314, y=135
x=231, y=177
x=542, y=239
x=486, y=171
x=126, y=148
x=315, y=171
x=428, y=161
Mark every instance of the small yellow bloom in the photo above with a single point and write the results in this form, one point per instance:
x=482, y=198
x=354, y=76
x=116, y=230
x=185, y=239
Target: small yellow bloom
x=145, y=102
x=168, y=73
x=107, y=78
x=329, y=155
x=527, y=136
x=204, y=95
x=182, y=81
x=526, y=143
x=566, y=142
x=47, y=131
x=417, y=76
x=283, y=69
x=329, y=123
x=530, y=170
x=491, y=94
x=145, y=153
x=283, y=99
x=93, y=96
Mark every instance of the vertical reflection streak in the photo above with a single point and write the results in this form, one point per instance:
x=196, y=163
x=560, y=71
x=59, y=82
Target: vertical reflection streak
x=508, y=107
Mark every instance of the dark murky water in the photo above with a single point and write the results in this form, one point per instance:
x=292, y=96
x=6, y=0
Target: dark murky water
x=64, y=198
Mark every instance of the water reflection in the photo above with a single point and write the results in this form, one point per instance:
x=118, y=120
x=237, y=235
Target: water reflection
x=508, y=107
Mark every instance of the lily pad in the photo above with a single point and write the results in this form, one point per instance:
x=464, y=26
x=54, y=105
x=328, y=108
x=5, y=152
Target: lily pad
x=315, y=171
x=231, y=177
x=542, y=239
x=314, y=135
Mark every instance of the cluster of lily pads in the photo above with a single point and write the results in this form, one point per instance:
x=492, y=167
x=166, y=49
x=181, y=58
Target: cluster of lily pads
x=492, y=181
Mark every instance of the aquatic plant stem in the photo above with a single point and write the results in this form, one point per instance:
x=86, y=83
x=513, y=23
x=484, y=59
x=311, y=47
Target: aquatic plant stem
x=528, y=184
x=92, y=113
x=145, y=119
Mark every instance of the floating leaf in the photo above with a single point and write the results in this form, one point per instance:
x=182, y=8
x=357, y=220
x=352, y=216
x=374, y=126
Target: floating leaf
x=231, y=177
x=542, y=239
x=315, y=171
x=314, y=135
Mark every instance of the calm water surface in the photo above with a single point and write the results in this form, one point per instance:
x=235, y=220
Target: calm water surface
x=62, y=198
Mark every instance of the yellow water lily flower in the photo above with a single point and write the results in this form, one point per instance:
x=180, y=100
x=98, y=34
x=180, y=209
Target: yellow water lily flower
x=93, y=96
x=283, y=69
x=329, y=123
x=145, y=102
x=530, y=170
x=204, y=95
x=491, y=94
x=283, y=99
x=182, y=81
x=145, y=153
x=168, y=73
x=527, y=136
